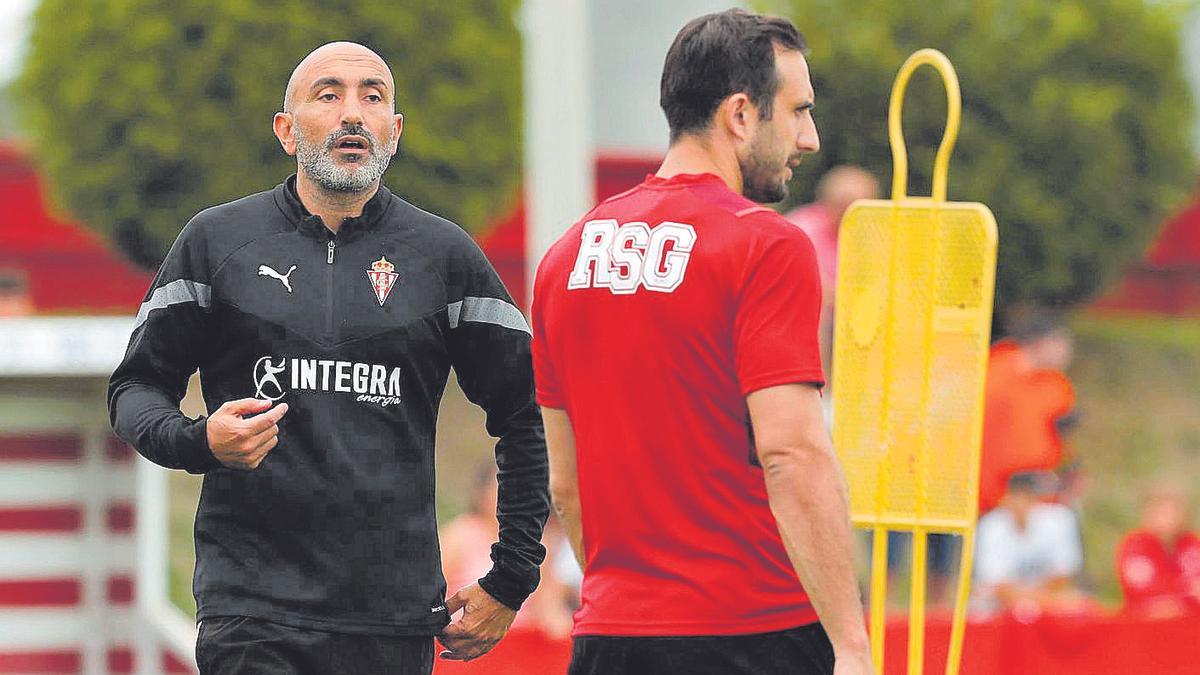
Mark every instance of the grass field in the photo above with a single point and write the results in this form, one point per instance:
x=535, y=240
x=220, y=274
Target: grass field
x=1138, y=383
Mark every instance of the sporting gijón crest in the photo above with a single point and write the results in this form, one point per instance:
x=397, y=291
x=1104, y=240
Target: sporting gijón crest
x=383, y=278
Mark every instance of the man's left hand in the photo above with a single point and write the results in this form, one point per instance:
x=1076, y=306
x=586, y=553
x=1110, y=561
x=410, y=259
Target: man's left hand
x=484, y=621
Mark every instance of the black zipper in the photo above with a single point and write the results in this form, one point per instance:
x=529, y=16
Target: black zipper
x=329, y=288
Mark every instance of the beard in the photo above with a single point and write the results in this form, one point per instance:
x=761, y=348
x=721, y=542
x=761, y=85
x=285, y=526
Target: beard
x=316, y=160
x=762, y=169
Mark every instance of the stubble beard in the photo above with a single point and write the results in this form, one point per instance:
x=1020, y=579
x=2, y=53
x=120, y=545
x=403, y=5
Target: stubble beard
x=317, y=162
x=762, y=171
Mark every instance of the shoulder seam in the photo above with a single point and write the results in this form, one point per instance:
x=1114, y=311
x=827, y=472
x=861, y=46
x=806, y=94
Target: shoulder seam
x=621, y=194
x=221, y=265
x=751, y=209
x=201, y=230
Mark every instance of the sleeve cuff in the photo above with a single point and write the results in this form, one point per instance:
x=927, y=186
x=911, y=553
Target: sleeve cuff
x=551, y=401
x=193, y=452
x=810, y=376
x=508, y=588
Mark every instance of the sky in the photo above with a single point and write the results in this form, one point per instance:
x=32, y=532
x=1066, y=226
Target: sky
x=14, y=31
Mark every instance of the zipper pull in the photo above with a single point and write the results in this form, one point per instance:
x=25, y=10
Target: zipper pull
x=329, y=259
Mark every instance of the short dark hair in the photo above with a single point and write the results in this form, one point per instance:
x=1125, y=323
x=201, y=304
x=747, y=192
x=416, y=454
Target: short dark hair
x=1038, y=483
x=718, y=55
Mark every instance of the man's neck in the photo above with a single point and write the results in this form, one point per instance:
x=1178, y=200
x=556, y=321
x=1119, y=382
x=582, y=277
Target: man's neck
x=694, y=154
x=332, y=207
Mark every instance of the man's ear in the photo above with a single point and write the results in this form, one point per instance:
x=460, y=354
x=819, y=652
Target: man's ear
x=736, y=116
x=398, y=121
x=284, y=130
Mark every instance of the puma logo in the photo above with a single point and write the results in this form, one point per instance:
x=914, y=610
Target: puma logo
x=264, y=271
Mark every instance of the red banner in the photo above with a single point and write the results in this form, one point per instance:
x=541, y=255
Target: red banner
x=1047, y=645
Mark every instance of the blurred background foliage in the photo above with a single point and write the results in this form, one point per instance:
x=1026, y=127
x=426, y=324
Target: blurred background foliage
x=1076, y=122
x=142, y=112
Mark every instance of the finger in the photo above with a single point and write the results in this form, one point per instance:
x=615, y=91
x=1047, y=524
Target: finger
x=264, y=421
x=476, y=650
x=261, y=454
x=456, y=602
x=456, y=646
x=461, y=643
x=455, y=631
x=244, y=406
x=466, y=644
x=254, y=441
x=464, y=652
x=455, y=651
x=266, y=447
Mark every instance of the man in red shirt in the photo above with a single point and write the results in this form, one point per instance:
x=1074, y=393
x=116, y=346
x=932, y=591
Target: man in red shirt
x=1159, y=563
x=1028, y=404
x=677, y=365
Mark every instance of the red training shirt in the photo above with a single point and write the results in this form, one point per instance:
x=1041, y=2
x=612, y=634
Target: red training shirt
x=1149, y=571
x=653, y=318
x=1021, y=408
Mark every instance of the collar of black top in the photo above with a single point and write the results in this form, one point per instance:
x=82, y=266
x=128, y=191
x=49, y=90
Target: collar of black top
x=289, y=203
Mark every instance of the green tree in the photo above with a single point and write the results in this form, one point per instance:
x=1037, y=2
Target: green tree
x=142, y=112
x=1075, y=121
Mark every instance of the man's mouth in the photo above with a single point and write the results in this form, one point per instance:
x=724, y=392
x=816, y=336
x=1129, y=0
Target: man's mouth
x=351, y=143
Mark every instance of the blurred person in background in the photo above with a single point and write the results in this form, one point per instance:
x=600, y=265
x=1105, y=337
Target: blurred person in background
x=15, y=299
x=1158, y=564
x=466, y=556
x=820, y=220
x=1029, y=410
x=1029, y=407
x=316, y=533
x=691, y=466
x=1028, y=554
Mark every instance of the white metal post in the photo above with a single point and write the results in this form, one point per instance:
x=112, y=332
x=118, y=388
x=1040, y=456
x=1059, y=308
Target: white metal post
x=95, y=570
x=152, y=540
x=162, y=625
x=559, y=152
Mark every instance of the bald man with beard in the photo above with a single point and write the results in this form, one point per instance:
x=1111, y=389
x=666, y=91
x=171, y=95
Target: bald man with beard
x=324, y=317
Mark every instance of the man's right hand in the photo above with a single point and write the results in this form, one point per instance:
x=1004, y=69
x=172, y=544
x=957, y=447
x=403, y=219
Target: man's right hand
x=242, y=432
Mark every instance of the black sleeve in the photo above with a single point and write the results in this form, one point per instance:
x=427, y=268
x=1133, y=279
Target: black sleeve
x=164, y=350
x=489, y=344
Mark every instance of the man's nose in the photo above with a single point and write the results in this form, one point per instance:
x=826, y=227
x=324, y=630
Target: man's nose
x=352, y=112
x=808, y=140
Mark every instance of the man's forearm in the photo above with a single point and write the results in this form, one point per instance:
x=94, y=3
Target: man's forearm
x=564, y=477
x=523, y=504
x=808, y=496
x=568, y=514
x=146, y=418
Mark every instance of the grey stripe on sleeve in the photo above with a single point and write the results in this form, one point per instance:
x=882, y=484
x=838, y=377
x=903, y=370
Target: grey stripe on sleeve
x=180, y=290
x=487, y=310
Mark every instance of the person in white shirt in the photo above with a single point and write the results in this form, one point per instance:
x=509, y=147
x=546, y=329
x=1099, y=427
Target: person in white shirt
x=1028, y=552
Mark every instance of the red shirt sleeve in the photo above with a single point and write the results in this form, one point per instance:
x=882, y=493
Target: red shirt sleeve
x=778, y=310
x=1188, y=548
x=549, y=392
x=1139, y=568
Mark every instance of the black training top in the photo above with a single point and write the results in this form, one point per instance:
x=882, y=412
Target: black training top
x=357, y=332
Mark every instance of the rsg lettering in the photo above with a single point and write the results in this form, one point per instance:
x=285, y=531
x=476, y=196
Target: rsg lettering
x=626, y=257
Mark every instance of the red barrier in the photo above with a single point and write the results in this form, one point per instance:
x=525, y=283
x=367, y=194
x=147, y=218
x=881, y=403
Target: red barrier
x=1060, y=645
x=1047, y=645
